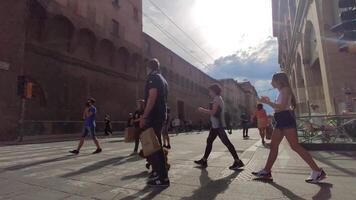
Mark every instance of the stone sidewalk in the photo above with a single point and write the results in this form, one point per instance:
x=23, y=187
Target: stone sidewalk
x=46, y=171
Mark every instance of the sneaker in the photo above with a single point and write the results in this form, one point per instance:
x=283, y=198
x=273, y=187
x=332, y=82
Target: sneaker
x=76, y=152
x=263, y=175
x=202, y=163
x=168, y=146
x=237, y=165
x=316, y=176
x=159, y=183
x=97, y=151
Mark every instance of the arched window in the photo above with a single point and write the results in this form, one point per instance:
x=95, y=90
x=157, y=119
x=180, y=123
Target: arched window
x=135, y=62
x=105, y=53
x=59, y=33
x=36, y=22
x=86, y=44
x=123, y=58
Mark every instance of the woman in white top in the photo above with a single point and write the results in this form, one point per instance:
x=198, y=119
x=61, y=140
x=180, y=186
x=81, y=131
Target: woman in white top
x=286, y=127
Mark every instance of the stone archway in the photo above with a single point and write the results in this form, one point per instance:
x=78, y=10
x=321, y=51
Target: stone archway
x=105, y=53
x=85, y=45
x=36, y=22
x=58, y=33
x=123, y=58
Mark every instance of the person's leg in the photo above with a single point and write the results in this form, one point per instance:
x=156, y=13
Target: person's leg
x=276, y=140
x=209, y=143
x=291, y=135
x=137, y=142
x=244, y=130
x=82, y=139
x=262, y=134
x=95, y=140
x=81, y=142
x=225, y=140
x=158, y=159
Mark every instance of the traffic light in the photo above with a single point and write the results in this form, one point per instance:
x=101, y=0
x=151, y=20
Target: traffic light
x=24, y=87
x=347, y=27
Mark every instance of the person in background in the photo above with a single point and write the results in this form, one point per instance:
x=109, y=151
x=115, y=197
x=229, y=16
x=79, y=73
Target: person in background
x=89, y=116
x=108, y=125
x=286, y=126
x=228, y=123
x=166, y=140
x=245, y=120
x=176, y=124
x=130, y=120
x=262, y=121
x=140, y=107
x=217, y=119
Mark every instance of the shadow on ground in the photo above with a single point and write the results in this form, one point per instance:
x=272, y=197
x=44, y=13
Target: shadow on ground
x=101, y=164
x=211, y=188
x=146, y=193
x=28, y=165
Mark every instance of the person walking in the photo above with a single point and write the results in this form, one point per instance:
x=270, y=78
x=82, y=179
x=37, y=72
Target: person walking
x=155, y=114
x=262, y=121
x=166, y=139
x=89, y=116
x=218, y=125
x=228, y=123
x=245, y=125
x=108, y=125
x=285, y=126
x=140, y=106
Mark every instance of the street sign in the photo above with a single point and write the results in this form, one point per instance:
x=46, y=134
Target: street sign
x=4, y=66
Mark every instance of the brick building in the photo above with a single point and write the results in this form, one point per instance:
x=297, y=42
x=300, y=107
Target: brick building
x=74, y=49
x=70, y=50
x=309, y=53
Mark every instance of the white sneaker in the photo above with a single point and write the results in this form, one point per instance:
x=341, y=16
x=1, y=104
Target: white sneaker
x=316, y=176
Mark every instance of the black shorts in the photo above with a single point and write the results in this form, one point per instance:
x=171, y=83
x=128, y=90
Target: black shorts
x=285, y=120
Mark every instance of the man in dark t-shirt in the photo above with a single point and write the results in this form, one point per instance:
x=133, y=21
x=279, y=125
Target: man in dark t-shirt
x=155, y=114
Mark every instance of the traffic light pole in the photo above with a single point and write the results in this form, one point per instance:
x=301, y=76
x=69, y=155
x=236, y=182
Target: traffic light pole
x=22, y=73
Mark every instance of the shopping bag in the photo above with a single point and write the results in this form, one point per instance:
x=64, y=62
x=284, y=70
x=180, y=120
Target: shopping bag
x=269, y=132
x=130, y=134
x=149, y=141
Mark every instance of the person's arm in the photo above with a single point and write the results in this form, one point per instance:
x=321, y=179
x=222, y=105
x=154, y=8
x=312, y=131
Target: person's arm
x=151, y=101
x=85, y=113
x=285, y=93
x=211, y=112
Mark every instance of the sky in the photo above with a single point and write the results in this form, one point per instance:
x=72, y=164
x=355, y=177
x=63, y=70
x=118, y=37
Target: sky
x=234, y=37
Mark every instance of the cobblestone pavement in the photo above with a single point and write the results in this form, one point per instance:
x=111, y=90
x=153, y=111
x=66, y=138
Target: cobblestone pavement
x=47, y=171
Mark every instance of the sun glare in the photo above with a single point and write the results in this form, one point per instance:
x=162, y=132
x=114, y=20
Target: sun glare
x=230, y=25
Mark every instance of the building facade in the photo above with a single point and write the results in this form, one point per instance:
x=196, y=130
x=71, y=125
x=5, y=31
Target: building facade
x=251, y=97
x=235, y=99
x=309, y=53
x=70, y=50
